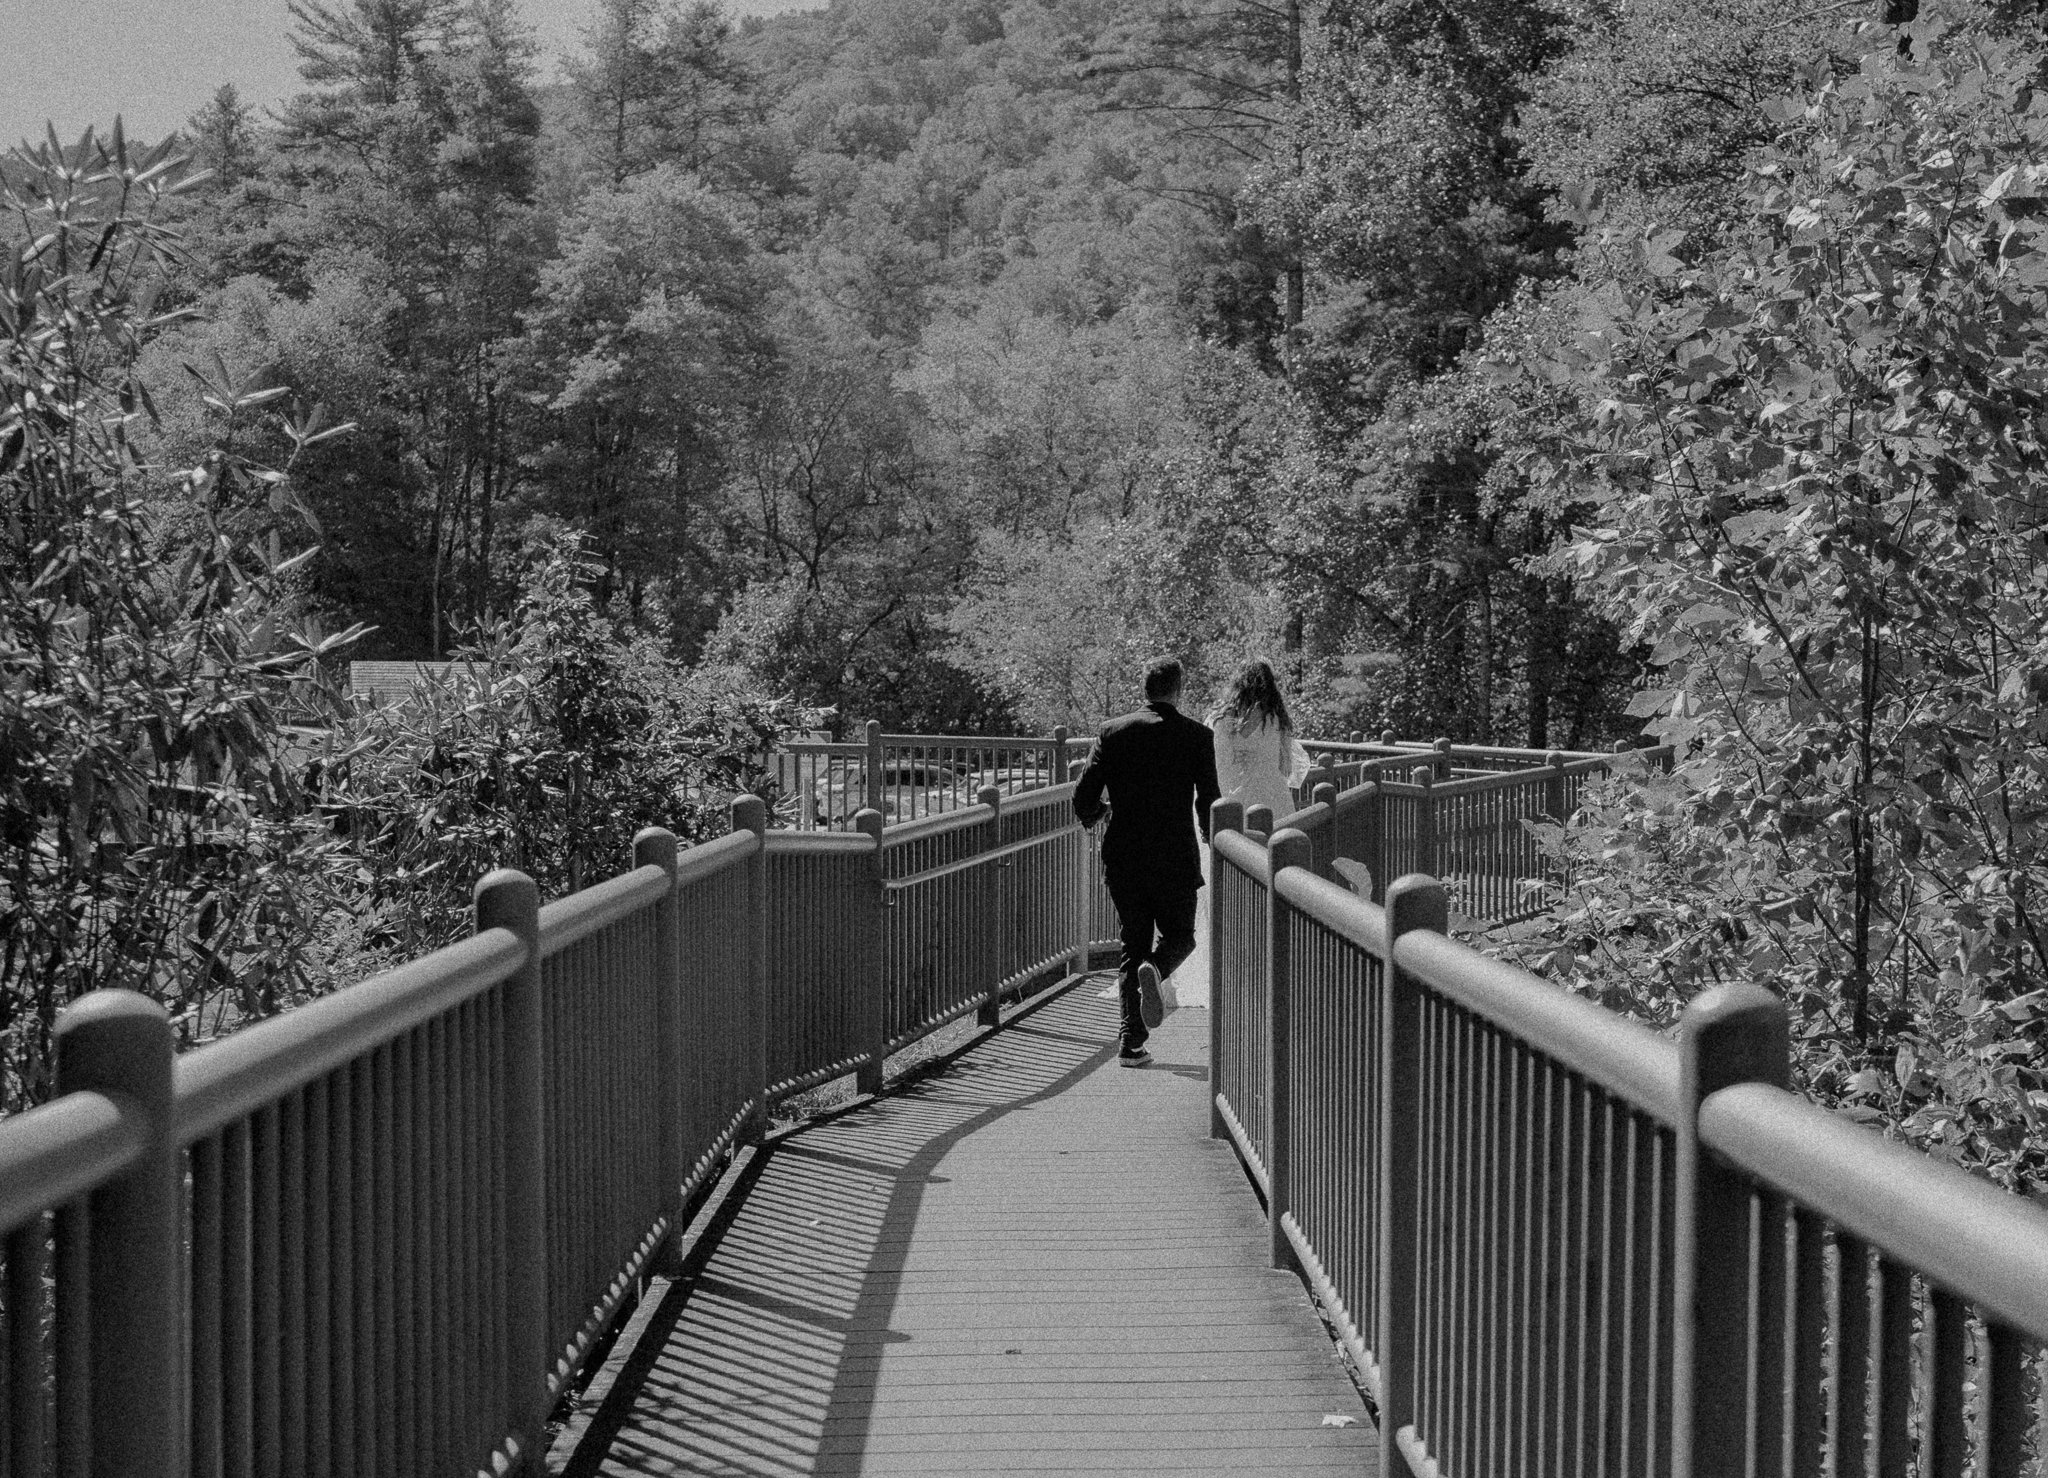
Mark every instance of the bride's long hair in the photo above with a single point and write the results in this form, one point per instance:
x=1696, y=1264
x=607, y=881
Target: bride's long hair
x=1254, y=699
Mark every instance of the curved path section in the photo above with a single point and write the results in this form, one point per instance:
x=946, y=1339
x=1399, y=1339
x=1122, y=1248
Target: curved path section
x=1033, y=1261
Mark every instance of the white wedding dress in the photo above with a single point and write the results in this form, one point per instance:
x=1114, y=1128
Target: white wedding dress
x=1256, y=766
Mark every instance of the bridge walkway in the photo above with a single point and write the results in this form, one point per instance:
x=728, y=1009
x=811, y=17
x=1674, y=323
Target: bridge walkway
x=1031, y=1261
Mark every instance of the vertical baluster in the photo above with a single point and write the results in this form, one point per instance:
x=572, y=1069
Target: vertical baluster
x=2002, y=1448
x=1582, y=1447
x=73, y=1392
x=341, y=1266
x=407, y=1372
x=1806, y=1350
x=1638, y=1321
x=1892, y=1404
x=1571, y=1350
x=1494, y=1236
x=434, y=1173
x=292, y=1285
x=28, y=1303
x=1610, y=1409
x=1850, y=1415
x=1944, y=1436
x=1768, y=1335
x=1547, y=1372
x=368, y=1416
x=207, y=1241
x=319, y=1280
x=266, y=1287
x=1457, y=1373
x=1664, y=1315
x=240, y=1307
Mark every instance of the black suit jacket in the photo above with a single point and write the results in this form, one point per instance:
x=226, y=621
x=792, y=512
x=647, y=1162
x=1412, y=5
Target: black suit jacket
x=1159, y=767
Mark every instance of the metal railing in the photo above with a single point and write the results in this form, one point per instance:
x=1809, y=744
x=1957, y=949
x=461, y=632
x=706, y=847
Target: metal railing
x=382, y=1233
x=823, y=785
x=1559, y=1244
x=1392, y=817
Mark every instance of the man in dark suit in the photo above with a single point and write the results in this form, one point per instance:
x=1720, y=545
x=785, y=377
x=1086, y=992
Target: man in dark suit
x=1159, y=767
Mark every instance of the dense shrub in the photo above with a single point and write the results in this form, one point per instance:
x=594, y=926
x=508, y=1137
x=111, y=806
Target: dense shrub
x=1819, y=452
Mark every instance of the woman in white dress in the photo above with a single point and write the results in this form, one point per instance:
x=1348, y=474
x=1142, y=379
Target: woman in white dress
x=1259, y=762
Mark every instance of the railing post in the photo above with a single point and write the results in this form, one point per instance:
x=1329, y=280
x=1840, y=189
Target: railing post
x=1223, y=816
x=1258, y=821
x=1081, y=898
x=1324, y=839
x=1371, y=846
x=656, y=847
x=1731, y=1034
x=750, y=813
x=875, y=789
x=119, y=1043
x=1413, y=902
x=506, y=899
x=1424, y=860
x=1442, y=758
x=1553, y=787
x=872, y=972
x=1059, y=756
x=995, y=897
x=1289, y=848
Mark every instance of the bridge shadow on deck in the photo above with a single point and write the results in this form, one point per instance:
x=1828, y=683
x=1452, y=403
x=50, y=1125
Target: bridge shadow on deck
x=1032, y=1261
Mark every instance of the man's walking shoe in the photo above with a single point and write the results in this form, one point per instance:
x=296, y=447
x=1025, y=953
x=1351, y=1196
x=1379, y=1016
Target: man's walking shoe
x=1150, y=1007
x=1133, y=1059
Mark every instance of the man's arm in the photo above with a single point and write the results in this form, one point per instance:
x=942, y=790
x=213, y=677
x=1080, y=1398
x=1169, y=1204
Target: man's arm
x=1207, y=790
x=1088, y=807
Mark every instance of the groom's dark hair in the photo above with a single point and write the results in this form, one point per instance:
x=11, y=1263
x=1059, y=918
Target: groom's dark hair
x=1162, y=678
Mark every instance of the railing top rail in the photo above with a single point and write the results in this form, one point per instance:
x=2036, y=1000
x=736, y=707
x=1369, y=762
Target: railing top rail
x=227, y=1080
x=1335, y=908
x=1244, y=854
x=969, y=863
x=822, y=746
x=58, y=1151
x=1983, y=1244
x=1358, y=795
x=939, y=824
x=582, y=914
x=974, y=741
x=1039, y=798
x=715, y=856
x=1304, y=819
x=1627, y=1059
x=818, y=843
x=1497, y=780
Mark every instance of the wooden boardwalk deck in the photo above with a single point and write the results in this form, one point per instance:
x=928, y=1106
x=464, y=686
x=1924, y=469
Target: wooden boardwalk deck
x=1033, y=1262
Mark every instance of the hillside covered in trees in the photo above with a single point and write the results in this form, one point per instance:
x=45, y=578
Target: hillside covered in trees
x=1532, y=374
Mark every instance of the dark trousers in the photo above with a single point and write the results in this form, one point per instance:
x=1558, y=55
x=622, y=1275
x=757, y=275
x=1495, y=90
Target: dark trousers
x=1156, y=923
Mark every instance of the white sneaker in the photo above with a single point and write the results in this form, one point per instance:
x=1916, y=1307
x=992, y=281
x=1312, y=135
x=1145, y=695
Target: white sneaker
x=1151, y=1009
